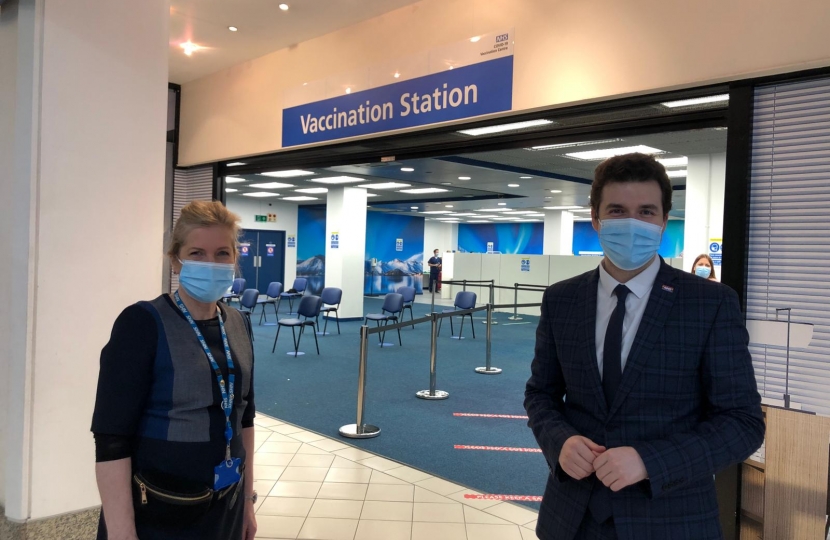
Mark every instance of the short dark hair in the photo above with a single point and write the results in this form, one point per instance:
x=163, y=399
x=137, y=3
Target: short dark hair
x=630, y=168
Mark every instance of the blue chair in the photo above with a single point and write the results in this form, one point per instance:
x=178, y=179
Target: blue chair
x=309, y=310
x=247, y=303
x=299, y=287
x=391, y=310
x=463, y=300
x=408, y=294
x=236, y=290
x=272, y=297
x=331, y=297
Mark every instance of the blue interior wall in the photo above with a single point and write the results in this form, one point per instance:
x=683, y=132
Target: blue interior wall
x=586, y=240
x=509, y=238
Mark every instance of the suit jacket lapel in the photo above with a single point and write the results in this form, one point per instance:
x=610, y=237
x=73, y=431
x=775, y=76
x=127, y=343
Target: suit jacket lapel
x=587, y=297
x=657, y=310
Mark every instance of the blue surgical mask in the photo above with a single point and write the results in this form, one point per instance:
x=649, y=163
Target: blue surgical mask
x=629, y=243
x=206, y=281
x=703, y=271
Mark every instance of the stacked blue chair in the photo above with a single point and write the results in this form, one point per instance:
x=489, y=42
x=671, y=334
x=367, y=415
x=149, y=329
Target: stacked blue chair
x=463, y=300
x=307, y=313
x=331, y=297
x=272, y=297
x=408, y=294
x=247, y=303
x=236, y=290
x=391, y=310
x=299, y=287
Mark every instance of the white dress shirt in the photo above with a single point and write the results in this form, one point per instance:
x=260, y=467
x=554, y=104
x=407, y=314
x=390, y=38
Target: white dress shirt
x=635, y=305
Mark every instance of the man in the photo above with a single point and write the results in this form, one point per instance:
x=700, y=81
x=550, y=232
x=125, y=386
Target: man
x=434, y=264
x=637, y=403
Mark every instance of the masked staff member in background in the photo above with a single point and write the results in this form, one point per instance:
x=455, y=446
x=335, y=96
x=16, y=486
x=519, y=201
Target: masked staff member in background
x=173, y=420
x=704, y=267
x=642, y=386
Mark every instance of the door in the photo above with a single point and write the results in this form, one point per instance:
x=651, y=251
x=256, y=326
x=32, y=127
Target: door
x=271, y=259
x=248, y=258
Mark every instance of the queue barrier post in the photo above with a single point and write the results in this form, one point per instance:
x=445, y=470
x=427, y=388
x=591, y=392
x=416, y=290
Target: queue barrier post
x=489, y=320
x=432, y=393
x=359, y=430
x=515, y=316
x=488, y=369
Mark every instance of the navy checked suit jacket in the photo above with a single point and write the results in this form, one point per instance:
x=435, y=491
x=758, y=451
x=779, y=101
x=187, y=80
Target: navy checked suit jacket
x=688, y=403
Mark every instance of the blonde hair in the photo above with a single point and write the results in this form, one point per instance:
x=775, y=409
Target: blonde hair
x=199, y=214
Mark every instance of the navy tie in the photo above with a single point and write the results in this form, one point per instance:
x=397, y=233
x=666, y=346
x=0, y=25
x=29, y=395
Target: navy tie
x=600, y=501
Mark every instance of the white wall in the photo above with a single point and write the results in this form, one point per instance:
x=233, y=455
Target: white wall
x=89, y=143
x=704, y=204
x=346, y=215
x=443, y=236
x=248, y=207
x=559, y=233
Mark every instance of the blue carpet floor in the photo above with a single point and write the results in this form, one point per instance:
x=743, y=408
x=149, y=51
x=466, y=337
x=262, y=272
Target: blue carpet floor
x=320, y=393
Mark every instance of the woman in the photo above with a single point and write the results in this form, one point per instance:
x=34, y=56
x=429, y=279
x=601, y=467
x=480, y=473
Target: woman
x=173, y=420
x=704, y=267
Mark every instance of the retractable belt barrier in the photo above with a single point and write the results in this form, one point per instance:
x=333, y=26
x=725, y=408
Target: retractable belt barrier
x=360, y=430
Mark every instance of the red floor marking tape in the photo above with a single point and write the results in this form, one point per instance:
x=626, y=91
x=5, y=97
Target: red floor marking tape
x=512, y=416
x=528, y=498
x=497, y=448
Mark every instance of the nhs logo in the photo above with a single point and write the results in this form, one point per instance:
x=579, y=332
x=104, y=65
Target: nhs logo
x=502, y=38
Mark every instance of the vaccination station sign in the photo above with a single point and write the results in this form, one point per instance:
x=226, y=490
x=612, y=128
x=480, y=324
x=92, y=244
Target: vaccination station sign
x=462, y=80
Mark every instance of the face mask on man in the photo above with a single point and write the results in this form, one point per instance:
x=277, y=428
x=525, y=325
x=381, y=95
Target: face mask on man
x=206, y=281
x=629, y=243
x=703, y=271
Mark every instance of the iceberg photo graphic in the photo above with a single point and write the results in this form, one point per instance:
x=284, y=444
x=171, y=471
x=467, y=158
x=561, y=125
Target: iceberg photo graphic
x=313, y=266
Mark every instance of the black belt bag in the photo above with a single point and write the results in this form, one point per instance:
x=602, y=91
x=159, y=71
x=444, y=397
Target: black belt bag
x=171, y=500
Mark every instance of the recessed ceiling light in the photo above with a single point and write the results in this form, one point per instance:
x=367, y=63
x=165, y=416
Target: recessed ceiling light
x=337, y=180
x=448, y=206
x=465, y=215
x=233, y=29
x=518, y=212
x=486, y=217
x=475, y=132
x=512, y=185
x=372, y=195
x=447, y=219
x=348, y=90
x=573, y=144
x=464, y=178
x=233, y=180
x=284, y=7
x=679, y=173
x=272, y=185
x=230, y=190
x=413, y=207
x=190, y=48
x=261, y=194
x=502, y=203
x=437, y=212
x=478, y=221
x=287, y=174
x=303, y=198
x=313, y=190
x=562, y=207
x=525, y=177
x=446, y=183
x=475, y=39
x=493, y=210
x=593, y=155
x=696, y=101
x=503, y=218
x=407, y=169
x=396, y=75
x=556, y=191
x=235, y=164
x=674, y=162
x=385, y=185
x=584, y=210
x=526, y=220
x=423, y=190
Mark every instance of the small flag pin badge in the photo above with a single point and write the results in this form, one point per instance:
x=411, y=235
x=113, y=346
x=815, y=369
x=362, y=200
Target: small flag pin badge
x=667, y=288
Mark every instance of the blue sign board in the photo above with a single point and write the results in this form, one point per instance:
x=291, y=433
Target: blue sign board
x=474, y=90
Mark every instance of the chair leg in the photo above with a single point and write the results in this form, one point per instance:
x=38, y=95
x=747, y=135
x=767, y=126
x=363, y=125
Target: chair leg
x=296, y=341
x=276, y=338
x=325, y=326
x=262, y=314
x=399, y=335
x=248, y=314
x=461, y=330
x=382, y=334
x=316, y=344
x=473, y=325
x=452, y=330
x=337, y=318
x=440, y=321
x=411, y=316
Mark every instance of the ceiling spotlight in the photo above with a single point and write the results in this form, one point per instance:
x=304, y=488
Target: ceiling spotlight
x=233, y=29
x=464, y=178
x=407, y=169
x=189, y=48
x=348, y=90
x=448, y=206
x=502, y=203
x=284, y=7
x=525, y=177
x=397, y=75
x=475, y=39
x=512, y=185
x=556, y=191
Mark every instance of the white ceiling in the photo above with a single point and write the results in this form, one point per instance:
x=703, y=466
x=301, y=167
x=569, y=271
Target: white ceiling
x=263, y=28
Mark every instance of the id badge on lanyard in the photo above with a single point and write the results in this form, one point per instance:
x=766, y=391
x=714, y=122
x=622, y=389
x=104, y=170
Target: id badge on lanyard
x=228, y=471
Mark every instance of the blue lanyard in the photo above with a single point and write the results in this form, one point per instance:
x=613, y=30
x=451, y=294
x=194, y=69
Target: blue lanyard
x=227, y=398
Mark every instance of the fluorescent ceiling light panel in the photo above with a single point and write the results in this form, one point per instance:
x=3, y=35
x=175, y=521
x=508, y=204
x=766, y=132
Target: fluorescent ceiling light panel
x=230, y=190
x=592, y=155
x=447, y=219
x=479, y=221
x=302, y=198
x=680, y=173
x=423, y=190
x=385, y=185
x=526, y=220
x=235, y=164
x=372, y=195
x=437, y=212
x=518, y=213
x=465, y=215
x=260, y=194
x=719, y=98
x=337, y=180
x=493, y=210
x=313, y=190
x=287, y=174
x=505, y=127
x=503, y=218
x=674, y=162
x=272, y=185
x=233, y=179
x=563, y=207
x=407, y=169
x=572, y=144
x=584, y=210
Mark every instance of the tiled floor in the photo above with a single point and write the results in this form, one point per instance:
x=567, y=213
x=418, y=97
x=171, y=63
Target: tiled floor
x=317, y=488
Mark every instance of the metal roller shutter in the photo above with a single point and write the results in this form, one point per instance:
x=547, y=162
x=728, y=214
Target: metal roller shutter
x=189, y=185
x=789, y=234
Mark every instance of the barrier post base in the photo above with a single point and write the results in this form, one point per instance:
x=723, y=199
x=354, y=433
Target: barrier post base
x=425, y=394
x=491, y=371
x=323, y=333
x=365, y=431
x=292, y=353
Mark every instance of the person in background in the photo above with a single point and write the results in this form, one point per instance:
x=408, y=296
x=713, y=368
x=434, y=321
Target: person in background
x=704, y=267
x=434, y=264
x=174, y=411
x=642, y=385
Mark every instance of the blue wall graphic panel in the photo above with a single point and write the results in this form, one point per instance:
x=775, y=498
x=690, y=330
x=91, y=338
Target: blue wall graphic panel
x=311, y=248
x=507, y=238
x=586, y=240
x=394, y=253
